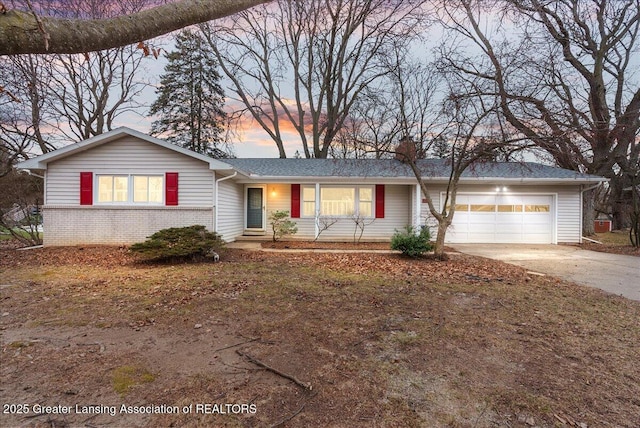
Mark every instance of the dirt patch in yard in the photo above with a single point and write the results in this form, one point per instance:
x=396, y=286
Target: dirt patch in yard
x=381, y=340
x=615, y=242
x=626, y=250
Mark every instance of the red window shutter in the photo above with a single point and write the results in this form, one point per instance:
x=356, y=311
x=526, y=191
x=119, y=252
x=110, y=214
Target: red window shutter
x=86, y=188
x=171, y=188
x=379, y=200
x=295, y=201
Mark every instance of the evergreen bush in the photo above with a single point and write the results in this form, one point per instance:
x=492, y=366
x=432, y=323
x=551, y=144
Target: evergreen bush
x=281, y=224
x=411, y=242
x=180, y=244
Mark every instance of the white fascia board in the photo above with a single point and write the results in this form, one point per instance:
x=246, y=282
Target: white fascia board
x=545, y=181
x=252, y=178
x=40, y=162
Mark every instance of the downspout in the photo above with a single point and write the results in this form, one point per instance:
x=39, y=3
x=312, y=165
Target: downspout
x=215, y=224
x=417, y=207
x=581, y=207
x=317, y=210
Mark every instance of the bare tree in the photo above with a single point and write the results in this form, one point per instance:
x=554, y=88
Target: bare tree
x=68, y=97
x=306, y=63
x=91, y=90
x=563, y=74
x=471, y=142
x=23, y=116
x=24, y=31
x=402, y=106
x=459, y=128
x=20, y=201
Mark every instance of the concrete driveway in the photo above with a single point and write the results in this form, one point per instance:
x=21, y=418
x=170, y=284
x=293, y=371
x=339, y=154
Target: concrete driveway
x=610, y=272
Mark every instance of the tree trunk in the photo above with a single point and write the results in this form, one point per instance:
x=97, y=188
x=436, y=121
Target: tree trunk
x=588, y=212
x=620, y=208
x=438, y=250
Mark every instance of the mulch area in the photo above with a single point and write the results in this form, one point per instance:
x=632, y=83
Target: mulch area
x=626, y=250
x=324, y=245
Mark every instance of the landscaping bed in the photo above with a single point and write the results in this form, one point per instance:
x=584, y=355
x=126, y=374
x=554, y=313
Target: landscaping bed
x=310, y=339
x=326, y=245
x=616, y=242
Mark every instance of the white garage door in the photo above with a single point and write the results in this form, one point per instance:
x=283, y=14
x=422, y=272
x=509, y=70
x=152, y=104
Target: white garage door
x=526, y=219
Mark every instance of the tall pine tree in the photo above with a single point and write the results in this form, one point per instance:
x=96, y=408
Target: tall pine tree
x=190, y=98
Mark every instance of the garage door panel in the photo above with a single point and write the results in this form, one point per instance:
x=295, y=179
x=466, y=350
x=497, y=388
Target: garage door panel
x=535, y=238
x=510, y=218
x=504, y=219
x=481, y=238
x=506, y=229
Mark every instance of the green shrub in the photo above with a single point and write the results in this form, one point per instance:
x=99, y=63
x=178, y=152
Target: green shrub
x=281, y=224
x=410, y=242
x=180, y=244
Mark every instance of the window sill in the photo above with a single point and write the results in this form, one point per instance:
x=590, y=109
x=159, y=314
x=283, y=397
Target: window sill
x=131, y=207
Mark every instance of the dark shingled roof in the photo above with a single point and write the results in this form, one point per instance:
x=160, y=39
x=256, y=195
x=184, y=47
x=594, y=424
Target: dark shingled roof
x=391, y=168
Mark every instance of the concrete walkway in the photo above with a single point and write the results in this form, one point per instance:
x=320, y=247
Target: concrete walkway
x=613, y=273
x=245, y=245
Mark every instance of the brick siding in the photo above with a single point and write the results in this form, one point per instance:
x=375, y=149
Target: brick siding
x=73, y=225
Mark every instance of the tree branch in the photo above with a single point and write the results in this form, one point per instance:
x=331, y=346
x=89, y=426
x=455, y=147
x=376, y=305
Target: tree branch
x=22, y=32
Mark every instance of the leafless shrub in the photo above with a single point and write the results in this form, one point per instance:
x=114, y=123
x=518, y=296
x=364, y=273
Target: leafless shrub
x=324, y=223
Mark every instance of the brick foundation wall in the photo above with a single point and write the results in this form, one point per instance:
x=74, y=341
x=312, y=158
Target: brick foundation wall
x=116, y=225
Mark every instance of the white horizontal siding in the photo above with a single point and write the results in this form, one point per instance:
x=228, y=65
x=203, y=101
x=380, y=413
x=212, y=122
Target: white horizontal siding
x=426, y=219
x=278, y=197
x=569, y=212
x=398, y=214
x=130, y=155
x=230, y=210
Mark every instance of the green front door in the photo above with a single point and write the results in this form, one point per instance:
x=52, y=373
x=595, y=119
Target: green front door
x=254, y=208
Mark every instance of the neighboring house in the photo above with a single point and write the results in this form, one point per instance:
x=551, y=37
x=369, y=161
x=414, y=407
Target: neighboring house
x=122, y=186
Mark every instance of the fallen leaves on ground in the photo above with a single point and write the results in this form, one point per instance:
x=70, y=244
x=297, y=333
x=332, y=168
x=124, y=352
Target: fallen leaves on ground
x=382, y=339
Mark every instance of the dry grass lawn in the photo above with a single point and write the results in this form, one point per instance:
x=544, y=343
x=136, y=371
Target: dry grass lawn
x=616, y=242
x=380, y=340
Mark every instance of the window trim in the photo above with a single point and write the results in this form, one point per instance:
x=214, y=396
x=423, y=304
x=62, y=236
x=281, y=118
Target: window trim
x=303, y=200
x=161, y=192
x=318, y=199
x=130, y=189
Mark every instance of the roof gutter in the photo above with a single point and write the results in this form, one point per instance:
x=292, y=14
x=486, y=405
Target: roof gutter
x=215, y=207
x=253, y=178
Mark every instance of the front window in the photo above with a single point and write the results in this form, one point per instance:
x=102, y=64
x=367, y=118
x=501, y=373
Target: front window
x=337, y=201
x=342, y=201
x=365, y=199
x=125, y=189
x=147, y=189
x=113, y=188
x=309, y=201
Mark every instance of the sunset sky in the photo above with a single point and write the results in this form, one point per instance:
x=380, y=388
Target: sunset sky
x=250, y=140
